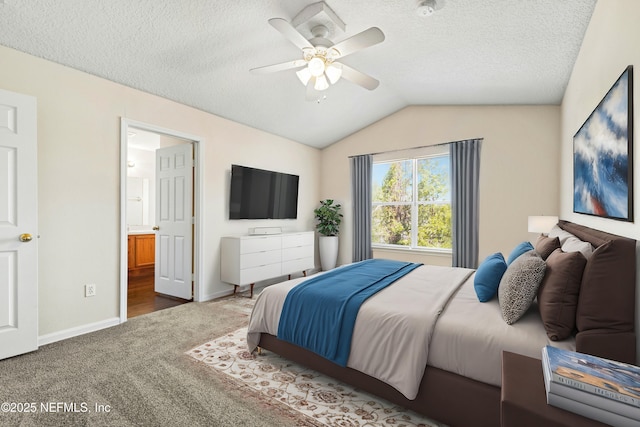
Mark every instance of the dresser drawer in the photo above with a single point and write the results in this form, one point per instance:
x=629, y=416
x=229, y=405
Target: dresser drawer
x=257, y=259
x=255, y=274
x=290, y=254
x=297, y=265
x=297, y=239
x=260, y=244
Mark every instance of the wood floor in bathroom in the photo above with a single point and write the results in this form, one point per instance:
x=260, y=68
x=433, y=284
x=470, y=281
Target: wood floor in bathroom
x=141, y=296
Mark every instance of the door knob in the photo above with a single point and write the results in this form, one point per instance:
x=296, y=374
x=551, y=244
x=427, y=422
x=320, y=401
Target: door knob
x=26, y=237
x=156, y=228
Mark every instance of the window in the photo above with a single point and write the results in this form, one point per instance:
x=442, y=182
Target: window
x=412, y=203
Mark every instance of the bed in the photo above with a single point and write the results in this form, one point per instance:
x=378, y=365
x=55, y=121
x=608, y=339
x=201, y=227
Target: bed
x=453, y=376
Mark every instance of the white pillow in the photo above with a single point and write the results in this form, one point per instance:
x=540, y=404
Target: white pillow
x=562, y=235
x=573, y=244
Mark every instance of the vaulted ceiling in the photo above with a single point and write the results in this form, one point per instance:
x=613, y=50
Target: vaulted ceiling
x=199, y=53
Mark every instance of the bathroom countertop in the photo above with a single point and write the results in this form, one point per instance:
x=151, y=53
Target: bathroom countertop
x=134, y=232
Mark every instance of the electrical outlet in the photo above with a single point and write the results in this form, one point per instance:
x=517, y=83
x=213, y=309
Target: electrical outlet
x=90, y=290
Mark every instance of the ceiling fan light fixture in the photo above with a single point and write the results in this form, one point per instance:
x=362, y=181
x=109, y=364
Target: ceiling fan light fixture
x=316, y=66
x=321, y=83
x=304, y=75
x=333, y=72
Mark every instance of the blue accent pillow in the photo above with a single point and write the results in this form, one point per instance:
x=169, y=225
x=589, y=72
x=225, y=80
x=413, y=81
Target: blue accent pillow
x=488, y=277
x=519, y=250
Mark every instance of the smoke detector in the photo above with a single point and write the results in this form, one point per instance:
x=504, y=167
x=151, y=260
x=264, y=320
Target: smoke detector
x=429, y=7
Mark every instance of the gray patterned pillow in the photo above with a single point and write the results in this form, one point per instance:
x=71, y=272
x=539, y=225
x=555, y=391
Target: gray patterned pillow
x=519, y=285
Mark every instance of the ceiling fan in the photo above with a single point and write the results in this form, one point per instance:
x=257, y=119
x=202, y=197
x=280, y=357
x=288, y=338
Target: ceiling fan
x=318, y=68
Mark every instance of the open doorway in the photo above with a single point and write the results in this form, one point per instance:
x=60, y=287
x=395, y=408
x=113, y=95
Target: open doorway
x=160, y=199
x=142, y=223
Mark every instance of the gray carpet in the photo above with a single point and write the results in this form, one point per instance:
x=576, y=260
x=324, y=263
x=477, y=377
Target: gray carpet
x=140, y=370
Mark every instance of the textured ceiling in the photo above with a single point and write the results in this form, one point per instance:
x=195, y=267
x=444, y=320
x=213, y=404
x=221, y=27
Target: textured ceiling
x=199, y=52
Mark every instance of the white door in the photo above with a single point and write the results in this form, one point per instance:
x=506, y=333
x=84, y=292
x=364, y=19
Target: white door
x=174, y=219
x=18, y=225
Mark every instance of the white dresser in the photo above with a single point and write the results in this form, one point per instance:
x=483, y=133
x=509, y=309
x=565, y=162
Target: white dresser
x=245, y=260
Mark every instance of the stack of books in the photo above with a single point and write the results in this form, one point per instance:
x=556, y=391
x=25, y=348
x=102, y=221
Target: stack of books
x=596, y=388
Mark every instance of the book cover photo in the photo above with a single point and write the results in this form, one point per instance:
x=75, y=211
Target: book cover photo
x=592, y=374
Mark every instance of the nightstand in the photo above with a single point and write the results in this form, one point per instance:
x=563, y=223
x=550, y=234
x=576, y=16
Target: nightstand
x=523, y=402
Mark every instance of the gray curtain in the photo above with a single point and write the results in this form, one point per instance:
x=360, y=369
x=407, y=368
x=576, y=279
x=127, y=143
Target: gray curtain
x=465, y=173
x=361, y=197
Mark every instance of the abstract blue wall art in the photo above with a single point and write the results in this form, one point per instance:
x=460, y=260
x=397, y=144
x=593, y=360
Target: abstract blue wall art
x=603, y=156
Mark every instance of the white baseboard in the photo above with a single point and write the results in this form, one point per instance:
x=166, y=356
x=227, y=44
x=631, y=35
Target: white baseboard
x=218, y=294
x=78, y=330
x=246, y=288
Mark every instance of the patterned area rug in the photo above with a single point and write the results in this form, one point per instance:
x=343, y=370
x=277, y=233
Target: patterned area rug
x=314, y=395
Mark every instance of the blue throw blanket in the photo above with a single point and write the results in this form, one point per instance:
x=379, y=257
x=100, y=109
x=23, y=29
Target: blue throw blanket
x=320, y=313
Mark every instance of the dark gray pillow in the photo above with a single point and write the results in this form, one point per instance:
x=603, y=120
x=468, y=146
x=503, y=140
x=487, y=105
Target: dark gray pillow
x=519, y=286
x=558, y=293
x=546, y=245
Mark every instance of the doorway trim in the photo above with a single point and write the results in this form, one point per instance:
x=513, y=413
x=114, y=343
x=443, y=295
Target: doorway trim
x=125, y=124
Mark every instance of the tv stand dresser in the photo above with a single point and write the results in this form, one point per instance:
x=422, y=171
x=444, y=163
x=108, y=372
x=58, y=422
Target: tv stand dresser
x=247, y=259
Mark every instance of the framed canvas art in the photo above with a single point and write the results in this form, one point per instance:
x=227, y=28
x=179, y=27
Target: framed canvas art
x=603, y=155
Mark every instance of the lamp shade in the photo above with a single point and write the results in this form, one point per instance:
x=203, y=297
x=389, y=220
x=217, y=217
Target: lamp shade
x=304, y=75
x=333, y=72
x=321, y=83
x=316, y=67
x=542, y=224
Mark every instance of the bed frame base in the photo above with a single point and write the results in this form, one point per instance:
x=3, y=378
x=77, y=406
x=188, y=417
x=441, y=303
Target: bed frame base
x=443, y=396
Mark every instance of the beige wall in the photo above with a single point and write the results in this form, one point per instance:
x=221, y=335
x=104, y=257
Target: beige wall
x=78, y=177
x=519, y=169
x=611, y=44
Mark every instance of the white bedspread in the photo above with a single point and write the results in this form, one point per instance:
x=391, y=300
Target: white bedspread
x=393, y=329
x=470, y=336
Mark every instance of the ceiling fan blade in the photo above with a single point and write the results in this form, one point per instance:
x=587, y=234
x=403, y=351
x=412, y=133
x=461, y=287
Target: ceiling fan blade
x=355, y=76
x=279, y=67
x=290, y=32
x=360, y=41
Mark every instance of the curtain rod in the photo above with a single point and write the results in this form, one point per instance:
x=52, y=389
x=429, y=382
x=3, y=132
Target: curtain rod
x=415, y=148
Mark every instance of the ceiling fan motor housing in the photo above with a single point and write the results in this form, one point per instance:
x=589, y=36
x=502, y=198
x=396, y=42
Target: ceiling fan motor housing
x=320, y=36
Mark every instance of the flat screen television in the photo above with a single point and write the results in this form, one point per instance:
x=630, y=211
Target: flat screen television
x=262, y=194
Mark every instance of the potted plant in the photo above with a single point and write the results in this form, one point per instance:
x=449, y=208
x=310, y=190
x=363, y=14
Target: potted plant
x=329, y=218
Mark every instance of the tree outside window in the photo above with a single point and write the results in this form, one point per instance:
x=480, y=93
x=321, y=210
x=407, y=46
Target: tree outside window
x=412, y=203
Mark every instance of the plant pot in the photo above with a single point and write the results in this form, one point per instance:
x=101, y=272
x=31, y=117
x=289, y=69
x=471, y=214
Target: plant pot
x=328, y=246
